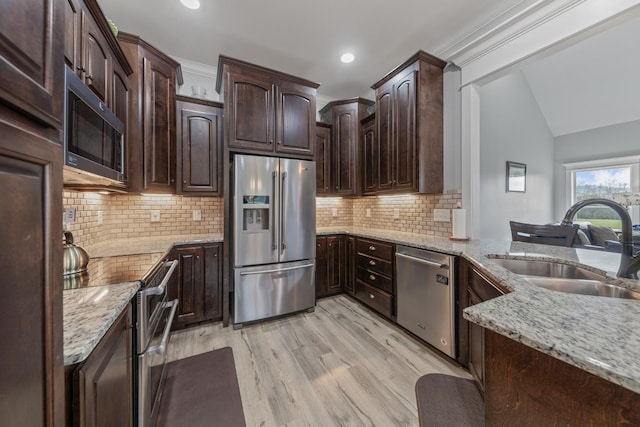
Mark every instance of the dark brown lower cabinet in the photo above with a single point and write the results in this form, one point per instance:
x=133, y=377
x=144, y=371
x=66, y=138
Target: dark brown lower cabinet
x=475, y=288
x=101, y=387
x=373, y=265
x=198, y=284
x=330, y=265
x=526, y=387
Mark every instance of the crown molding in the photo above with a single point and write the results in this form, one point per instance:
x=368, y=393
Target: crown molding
x=525, y=29
x=199, y=68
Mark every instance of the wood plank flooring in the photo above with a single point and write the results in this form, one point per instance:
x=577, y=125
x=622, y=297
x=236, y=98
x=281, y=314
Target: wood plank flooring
x=339, y=366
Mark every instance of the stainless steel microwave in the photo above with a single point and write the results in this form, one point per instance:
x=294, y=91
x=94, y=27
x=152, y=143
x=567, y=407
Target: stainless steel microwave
x=93, y=134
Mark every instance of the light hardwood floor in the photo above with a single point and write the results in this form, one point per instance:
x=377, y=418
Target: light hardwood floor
x=339, y=366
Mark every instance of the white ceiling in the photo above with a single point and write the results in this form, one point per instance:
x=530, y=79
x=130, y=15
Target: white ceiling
x=304, y=37
x=591, y=84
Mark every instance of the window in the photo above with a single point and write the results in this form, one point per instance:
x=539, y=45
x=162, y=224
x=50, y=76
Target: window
x=601, y=179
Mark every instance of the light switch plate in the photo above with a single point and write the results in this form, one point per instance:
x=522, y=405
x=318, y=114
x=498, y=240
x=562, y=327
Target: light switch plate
x=368, y=214
x=396, y=214
x=99, y=216
x=70, y=215
x=197, y=215
x=155, y=216
x=442, y=215
x=334, y=212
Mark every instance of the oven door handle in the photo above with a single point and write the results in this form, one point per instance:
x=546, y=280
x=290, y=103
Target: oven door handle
x=160, y=348
x=159, y=290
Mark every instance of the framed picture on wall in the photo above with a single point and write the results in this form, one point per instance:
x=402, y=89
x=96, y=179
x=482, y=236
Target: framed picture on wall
x=516, y=177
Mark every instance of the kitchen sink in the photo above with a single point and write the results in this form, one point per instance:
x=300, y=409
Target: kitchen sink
x=567, y=278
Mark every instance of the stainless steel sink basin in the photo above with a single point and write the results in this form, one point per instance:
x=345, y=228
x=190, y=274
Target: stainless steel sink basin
x=567, y=278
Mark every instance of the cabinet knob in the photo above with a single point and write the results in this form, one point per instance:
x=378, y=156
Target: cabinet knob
x=271, y=141
x=372, y=296
x=372, y=248
x=372, y=277
x=336, y=187
x=279, y=142
x=80, y=68
x=90, y=76
x=372, y=262
x=172, y=180
x=184, y=182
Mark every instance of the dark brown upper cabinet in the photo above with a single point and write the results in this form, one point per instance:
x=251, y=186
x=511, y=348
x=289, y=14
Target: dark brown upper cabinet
x=369, y=156
x=31, y=46
x=199, y=132
x=322, y=158
x=345, y=116
x=266, y=111
x=152, y=117
x=409, y=127
x=91, y=49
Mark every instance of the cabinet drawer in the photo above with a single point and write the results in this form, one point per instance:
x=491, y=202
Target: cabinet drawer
x=482, y=287
x=374, y=298
x=375, y=279
x=374, y=264
x=376, y=249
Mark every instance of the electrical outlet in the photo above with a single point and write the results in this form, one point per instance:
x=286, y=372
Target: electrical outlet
x=70, y=215
x=197, y=215
x=99, y=215
x=334, y=212
x=368, y=214
x=155, y=216
x=396, y=214
x=442, y=215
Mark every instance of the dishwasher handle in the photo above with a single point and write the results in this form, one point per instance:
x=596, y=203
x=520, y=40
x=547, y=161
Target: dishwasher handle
x=421, y=261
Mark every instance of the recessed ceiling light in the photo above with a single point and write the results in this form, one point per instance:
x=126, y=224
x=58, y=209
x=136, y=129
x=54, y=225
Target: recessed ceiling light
x=191, y=4
x=347, y=57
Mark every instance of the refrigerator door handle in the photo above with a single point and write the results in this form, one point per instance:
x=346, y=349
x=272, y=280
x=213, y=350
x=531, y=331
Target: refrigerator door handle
x=274, y=244
x=275, y=270
x=283, y=204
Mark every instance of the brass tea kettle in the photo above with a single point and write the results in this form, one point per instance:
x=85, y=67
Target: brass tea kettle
x=75, y=258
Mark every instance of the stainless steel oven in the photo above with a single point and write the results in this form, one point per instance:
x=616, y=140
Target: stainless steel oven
x=154, y=317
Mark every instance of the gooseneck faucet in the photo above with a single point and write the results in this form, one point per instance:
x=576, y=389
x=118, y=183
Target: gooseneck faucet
x=629, y=264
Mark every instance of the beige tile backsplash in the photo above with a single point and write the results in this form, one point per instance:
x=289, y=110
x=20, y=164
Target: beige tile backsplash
x=129, y=216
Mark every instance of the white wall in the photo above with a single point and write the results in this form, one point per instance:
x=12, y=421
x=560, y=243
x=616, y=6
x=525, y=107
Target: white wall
x=513, y=128
x=602, y=143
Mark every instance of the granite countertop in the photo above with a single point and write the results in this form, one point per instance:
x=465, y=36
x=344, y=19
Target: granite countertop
x=147, y=245
x=89, y=312
x=597, y=334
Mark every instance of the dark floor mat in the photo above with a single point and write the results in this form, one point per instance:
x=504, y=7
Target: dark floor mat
x=202, y=390
x=445, y=400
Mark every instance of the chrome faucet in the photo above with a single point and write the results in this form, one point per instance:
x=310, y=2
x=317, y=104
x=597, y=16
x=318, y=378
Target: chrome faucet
x=629, y=264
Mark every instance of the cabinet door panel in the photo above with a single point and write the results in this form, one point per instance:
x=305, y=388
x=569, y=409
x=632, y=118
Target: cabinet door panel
x=385, y=141
x=201, y=136
x=321, y=267
x=349, y=263
x=370, y=158
x=159, y=127
x=344, y=150
x=71, y=34
x=251, y=101
x=405, y=132
x=335, y=265
x=96, y=58
x=31, y=372
x=322, y=159
x=213, y=282
x=31, y=57
x=296, y=120
x=189, y=285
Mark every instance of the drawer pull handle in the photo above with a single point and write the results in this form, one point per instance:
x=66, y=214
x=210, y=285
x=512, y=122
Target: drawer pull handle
x=372, y=277
x=372, y=296
x=372, y=248
x=372, y=262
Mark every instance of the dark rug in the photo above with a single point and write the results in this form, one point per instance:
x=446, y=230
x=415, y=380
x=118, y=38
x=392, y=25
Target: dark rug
x=202, y=390
x=445, y=400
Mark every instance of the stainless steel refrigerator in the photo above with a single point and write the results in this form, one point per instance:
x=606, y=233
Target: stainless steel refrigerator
x=274, y=234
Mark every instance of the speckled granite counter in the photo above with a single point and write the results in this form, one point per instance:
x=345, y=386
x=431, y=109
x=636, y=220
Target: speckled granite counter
x=597, y=334
x=88, y=313
x=147, y=245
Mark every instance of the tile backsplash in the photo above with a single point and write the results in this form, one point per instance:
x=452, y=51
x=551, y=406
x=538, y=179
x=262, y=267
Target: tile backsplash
x=129, y=216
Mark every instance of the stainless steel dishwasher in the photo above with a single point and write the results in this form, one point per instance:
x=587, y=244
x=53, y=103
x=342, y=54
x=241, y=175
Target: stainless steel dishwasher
x=425, y=296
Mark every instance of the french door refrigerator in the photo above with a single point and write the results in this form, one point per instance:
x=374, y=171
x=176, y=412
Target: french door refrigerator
x=274, y=234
